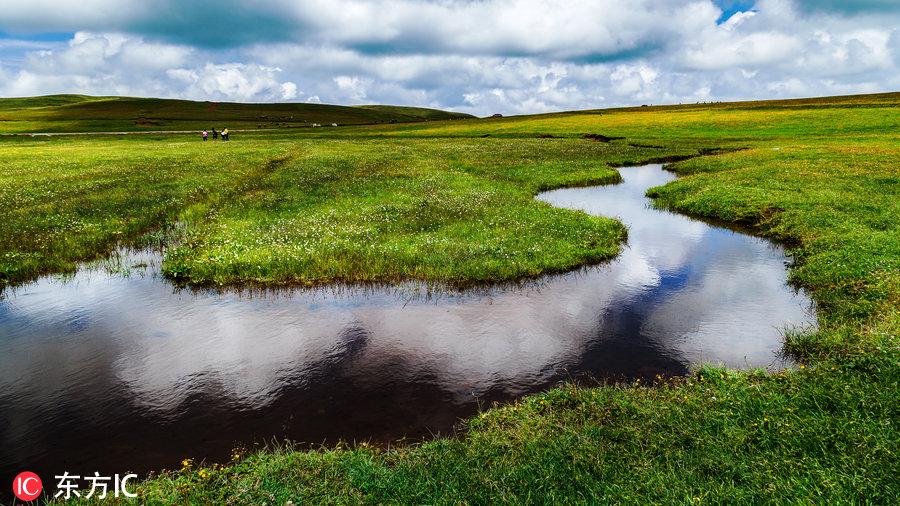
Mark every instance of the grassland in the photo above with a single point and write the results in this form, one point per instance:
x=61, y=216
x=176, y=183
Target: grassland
x=67, y=201
x=822, y=175
x=386, y=210
x=276, y=209
x=80, y=113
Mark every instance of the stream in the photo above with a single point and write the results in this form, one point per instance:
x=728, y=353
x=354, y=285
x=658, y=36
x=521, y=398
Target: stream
x=113, y=373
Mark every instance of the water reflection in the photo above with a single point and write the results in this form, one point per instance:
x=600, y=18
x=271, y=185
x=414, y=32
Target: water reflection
x=110, y=373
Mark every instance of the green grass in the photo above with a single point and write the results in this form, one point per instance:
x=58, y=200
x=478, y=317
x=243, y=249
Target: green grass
x=456, y=212
x=718, y=437
x=725, y=124
x=79, y=113
x=68, y=201
x=282, y=210
x=821, y=174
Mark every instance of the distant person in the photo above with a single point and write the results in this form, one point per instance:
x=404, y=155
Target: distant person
x=204, y=134
x=225, y=134
x=215, y=134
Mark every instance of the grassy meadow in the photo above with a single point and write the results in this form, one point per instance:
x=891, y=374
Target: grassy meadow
x=279, y=210
x=386, y=210
x=452, y=202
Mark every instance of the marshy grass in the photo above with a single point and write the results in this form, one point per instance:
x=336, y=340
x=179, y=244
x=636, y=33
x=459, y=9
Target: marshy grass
x=283, y=210
x=387, y=210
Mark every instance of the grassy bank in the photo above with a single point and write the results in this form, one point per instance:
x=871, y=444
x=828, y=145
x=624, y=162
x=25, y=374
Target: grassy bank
x=385, y=210
x=822, y=175
x=822, y=434
x=65, y=201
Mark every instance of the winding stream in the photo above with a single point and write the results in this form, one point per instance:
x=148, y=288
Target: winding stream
x=111, y=373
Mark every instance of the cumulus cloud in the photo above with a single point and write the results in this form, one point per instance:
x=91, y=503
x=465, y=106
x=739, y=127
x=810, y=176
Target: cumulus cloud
x=558, y=28
x=239, y=81
x=116, y=63
x=353, y=86
x=485, y=56
x=288, y=90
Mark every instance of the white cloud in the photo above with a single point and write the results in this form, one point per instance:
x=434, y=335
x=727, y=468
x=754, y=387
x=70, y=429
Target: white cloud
x=509, y=56
x=288, y=91
x=352, y=87
x=234, y=81
x=114, y=63
x=636, y=81
x=736, y=19
x=754, y=49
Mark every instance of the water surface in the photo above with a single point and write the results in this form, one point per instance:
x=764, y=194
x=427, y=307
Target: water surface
x=110, y=373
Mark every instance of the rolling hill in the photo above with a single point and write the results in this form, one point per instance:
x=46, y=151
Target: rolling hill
x=80, y=113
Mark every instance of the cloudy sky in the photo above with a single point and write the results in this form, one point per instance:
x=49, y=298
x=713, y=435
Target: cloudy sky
x=478, y=56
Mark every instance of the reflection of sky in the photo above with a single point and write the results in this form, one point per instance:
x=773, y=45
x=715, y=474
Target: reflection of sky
x=680, y=293
x=717, y=296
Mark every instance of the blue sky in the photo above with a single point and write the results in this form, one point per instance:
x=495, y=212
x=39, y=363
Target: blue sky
x=732, y=7
x=479, y=56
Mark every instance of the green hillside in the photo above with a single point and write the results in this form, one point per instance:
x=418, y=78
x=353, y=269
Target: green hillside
x=79, y=113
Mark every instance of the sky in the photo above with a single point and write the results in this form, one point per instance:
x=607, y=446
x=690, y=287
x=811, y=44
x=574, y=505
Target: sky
x=475, y=56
